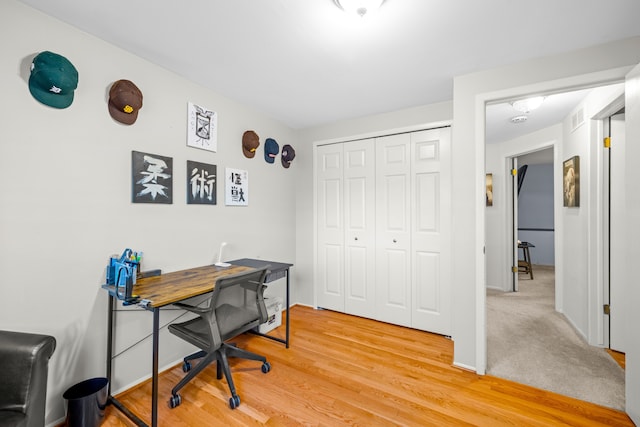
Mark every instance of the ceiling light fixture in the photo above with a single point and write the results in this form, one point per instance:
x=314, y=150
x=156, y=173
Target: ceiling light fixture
x=359, y=7
x=527, y=105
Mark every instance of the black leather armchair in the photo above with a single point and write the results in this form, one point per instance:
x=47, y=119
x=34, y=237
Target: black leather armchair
x=24, y=362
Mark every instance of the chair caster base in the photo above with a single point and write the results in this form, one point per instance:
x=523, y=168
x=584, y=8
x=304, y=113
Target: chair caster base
x=234, y=401
x=175, y=401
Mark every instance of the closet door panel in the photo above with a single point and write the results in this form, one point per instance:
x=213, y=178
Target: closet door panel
x=428, y=276
x=329, y=270
x=431, y=230
x=393, y=242
x=359, y=241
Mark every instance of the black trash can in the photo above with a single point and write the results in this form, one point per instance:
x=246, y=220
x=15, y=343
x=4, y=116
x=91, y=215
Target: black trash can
x=86, y=402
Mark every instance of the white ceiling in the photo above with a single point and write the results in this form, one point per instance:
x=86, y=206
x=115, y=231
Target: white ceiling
x=554, y=109
x=304, y=63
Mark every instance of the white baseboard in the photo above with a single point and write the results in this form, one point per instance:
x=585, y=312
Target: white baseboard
x=465, y=367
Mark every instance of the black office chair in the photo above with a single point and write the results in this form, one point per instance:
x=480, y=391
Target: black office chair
x=236, y=306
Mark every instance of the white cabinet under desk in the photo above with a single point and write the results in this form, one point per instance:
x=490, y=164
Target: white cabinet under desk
x=383, y=216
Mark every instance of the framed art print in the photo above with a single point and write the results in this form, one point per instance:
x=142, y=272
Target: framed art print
x=152, y=178
x=201, y=183
x=202, y=128
x=236, y=187
x=571, y=182
x=489, y=189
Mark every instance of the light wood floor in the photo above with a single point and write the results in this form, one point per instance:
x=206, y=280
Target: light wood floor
x=345, y=370
x=619, y=357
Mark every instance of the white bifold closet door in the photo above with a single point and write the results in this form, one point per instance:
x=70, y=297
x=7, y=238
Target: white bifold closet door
x=431, y=261
x=330, y=227
x=345, y=273
x=393, y=229
x=383, y=212
x=359, y=225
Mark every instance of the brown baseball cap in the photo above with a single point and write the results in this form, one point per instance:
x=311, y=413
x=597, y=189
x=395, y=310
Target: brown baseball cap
x=250, y=143
x=125, y=99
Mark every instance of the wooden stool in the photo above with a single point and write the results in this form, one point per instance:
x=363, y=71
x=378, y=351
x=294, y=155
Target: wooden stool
x=524, y=266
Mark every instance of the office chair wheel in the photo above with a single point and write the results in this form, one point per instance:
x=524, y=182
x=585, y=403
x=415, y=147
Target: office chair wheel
x=234, y=401
x=186, y=366
x=174, y=401
x=266, y=367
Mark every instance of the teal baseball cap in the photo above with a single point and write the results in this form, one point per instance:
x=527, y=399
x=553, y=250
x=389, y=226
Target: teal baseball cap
x=53, y=79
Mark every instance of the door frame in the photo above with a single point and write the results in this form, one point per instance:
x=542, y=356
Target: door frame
x=604, y=235
x=511, y=207
x=583, y=81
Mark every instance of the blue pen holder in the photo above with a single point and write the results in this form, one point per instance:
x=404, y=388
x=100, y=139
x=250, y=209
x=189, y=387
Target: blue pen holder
x=121, y=273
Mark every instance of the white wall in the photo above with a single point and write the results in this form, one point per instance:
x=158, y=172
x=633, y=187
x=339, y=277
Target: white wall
x=593, y=66
x=65, y=197
x=581, y=229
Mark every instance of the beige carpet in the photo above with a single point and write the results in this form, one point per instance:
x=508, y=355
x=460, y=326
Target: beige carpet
x=530, y=343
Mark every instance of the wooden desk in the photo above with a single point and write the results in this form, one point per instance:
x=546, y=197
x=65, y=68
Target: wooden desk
x=161, y=291
x=277, y=270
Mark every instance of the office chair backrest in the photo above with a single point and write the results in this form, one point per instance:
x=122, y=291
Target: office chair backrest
x=238, y=303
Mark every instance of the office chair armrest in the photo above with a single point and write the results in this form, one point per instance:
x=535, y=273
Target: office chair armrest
x=191, y=308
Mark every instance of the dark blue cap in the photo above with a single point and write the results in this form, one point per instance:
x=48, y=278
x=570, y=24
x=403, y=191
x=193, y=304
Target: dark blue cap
x=271, y=150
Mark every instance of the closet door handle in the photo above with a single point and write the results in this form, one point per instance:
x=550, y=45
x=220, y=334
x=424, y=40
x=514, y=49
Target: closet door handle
x=355, y=238
x=394, y=240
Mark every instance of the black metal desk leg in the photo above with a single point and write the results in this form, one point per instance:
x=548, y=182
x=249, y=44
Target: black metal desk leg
x=154, y=381
x=287, y=325
x=110, y=344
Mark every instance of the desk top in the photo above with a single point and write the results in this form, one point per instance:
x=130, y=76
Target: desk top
x=260, y=263
x=277, y=270
x=176, y=286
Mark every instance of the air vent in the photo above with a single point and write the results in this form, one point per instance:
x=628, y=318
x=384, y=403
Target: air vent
x=577, y=119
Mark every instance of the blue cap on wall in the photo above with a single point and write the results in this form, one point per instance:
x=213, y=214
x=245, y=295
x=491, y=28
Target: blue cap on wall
x=271, y=150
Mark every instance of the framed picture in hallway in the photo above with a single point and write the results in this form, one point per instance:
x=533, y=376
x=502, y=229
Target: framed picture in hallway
x=489, y=189
x=571, y=182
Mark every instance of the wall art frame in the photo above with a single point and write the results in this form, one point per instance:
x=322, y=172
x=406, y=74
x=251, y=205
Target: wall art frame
x=202, y=183
x=151, y=178
x=571, y=182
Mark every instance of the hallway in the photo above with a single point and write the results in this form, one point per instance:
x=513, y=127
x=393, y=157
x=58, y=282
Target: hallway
x=530, y=343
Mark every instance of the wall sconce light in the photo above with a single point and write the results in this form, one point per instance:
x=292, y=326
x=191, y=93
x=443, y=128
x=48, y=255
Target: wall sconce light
x=359, y=7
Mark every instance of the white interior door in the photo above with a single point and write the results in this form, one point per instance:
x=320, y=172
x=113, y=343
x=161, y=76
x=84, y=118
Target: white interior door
x=329, y=281
x=431, y=230
x=359, y=224
x=632, y=197
x=514, y=215
x=617, y=232
x=393, y=275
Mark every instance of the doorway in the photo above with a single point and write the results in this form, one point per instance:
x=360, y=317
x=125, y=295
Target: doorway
x=614, y=232
x=570, y=130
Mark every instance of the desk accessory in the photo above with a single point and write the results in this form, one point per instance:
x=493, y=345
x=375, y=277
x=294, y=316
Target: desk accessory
x=220, y=263
x=122, y=272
